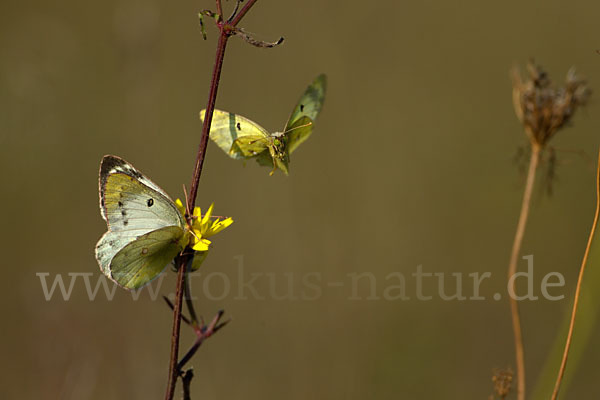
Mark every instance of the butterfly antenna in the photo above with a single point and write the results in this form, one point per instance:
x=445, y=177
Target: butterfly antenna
x=297, y=127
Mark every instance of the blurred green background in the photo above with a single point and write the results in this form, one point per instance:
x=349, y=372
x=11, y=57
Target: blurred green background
x=411, y=163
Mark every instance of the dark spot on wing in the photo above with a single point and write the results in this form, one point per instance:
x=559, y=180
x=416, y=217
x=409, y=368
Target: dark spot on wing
x=239, y=126
x=125, y=222
x=123, y=213
x=150, y=202
x=121, y=205
x=301, y=107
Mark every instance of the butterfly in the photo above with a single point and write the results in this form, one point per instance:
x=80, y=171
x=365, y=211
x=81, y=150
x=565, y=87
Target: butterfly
x=241, y=138
x=146, y=231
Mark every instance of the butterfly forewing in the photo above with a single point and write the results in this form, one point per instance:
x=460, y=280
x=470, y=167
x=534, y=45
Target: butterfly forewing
x=227, y=127
x=131, y=202
x=311, y=102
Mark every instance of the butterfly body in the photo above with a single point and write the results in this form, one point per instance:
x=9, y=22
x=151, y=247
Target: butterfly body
x=241, y=138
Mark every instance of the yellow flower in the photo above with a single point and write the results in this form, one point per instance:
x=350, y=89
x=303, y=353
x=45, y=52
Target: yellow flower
x=203, y=226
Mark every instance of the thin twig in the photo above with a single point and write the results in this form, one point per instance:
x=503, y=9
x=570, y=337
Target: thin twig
x=202, y=334
x=235, y=10
x=512, y=269
x=255, y=42
x=189, y=302
x=563, y=364
x=219, y=8
x=173, y=372
x=186, y=378
x=225, y=33
x=172, y=307
x=235, y=21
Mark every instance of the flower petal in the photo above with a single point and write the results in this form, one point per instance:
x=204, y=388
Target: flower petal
x=180, y=206
x=201, y=245
x=206, y=217
x=197, y=212
x=218, y=226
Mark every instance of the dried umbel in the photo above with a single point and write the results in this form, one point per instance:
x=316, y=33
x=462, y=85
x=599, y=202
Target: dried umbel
x=502, y=382
x=542, y=108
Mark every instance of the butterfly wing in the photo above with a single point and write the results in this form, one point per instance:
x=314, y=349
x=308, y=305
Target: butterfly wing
x=249, y=146
x=146, y=257
x=298, y=133
x=309, y=105
x=226, y=128
x=132, y=206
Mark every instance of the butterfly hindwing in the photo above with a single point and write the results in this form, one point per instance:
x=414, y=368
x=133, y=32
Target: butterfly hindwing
x=226, y=128
x=143, y=259
x=250, y=146
x=298, y=133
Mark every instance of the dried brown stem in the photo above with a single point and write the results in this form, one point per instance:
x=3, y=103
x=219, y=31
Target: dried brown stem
x=563, y=364
x=512, y=269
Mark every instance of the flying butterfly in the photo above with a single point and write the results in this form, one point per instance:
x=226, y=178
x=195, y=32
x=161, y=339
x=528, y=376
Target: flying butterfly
x=145, y=228
x=241, y=138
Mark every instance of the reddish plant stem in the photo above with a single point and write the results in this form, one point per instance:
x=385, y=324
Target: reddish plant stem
x=202, y=333
x=242, y=12
x=210, y=108
x=225, y=32
x=563, y=364
x=219, y=8
x=173, y=371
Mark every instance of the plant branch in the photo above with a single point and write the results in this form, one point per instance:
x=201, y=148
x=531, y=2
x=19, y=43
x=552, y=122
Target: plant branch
x=202, y=333
x=173, y=372
x=236, y=20
x=189, y=302
x=186, y=378
x=172, y=307
x=225, y=33
x=512, y=269
x=219, y=8
x=563, y=364
x=212, y=98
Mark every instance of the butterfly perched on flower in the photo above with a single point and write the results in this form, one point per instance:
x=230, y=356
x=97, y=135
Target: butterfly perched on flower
x=146, y=229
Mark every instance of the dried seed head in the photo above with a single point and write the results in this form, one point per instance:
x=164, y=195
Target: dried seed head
x=502, y=382
x=542, y=108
